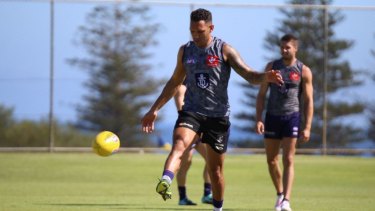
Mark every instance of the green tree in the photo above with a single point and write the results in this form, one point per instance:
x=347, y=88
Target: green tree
x=247, y=117
x=117, y=39
x=308, y=26
x=371, y=131
x=6, y=122
x=371, y=109
x=28, y=133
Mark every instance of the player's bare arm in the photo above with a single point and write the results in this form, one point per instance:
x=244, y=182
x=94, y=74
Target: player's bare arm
x=260, y=102
x=308, y=107
x=236, y=62
x=168, y=92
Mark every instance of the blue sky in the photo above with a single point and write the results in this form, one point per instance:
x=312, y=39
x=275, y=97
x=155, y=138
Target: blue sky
x=24, y=52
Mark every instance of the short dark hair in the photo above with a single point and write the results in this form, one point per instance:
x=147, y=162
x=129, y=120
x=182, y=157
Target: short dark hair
x=288, y=37
x=201, y=15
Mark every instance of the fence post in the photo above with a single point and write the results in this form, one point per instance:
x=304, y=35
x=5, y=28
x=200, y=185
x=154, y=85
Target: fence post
x=51, y=126
x=325, y=69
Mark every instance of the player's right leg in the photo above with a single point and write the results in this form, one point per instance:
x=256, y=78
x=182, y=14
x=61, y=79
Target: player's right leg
x=272, y=147
x=279, y=201
x=272, y=143
x=290, y=135
x=163, y=188
x=182, y=141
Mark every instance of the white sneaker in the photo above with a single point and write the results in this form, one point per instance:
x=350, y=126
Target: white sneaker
x=279, y=200
x=285, y=206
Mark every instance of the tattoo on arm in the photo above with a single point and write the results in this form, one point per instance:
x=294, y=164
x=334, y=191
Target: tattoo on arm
x=256, y=78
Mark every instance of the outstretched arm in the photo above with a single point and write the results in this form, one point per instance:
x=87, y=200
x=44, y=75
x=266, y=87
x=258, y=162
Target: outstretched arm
x=236, y=62
x=168, y=92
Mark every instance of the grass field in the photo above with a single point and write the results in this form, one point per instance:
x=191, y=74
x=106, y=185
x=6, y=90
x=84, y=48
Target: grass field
x=74, y=181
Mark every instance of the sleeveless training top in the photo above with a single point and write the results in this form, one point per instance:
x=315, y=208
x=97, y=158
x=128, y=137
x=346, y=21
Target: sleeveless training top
x=285, y=100
x=207, y=77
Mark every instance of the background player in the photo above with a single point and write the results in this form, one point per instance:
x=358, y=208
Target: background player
x=282, y=122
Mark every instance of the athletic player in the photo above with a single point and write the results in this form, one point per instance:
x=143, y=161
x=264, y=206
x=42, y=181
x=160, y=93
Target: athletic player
x=187, y=160
x=282, y=122
x=205, y=63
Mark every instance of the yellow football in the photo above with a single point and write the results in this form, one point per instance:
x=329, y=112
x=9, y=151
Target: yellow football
x=106, y=143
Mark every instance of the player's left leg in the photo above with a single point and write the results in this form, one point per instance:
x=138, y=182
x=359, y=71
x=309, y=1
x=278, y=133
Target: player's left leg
x=215, y=162
x=215, y=135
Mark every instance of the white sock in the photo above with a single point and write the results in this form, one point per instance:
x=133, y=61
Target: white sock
x=167, y=178
x=218, y=209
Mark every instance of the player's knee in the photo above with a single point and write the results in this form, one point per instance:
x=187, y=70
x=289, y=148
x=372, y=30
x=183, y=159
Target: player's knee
x=288, y=160
x=272, y=161
x=177, y=152
x=217, y=174
x=179, y=146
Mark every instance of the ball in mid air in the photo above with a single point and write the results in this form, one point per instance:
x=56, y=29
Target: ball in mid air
x=106, y=143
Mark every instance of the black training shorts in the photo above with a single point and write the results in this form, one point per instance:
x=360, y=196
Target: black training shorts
x=214, y=131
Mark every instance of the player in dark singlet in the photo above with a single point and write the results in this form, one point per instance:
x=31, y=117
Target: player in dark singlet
x=282, y=121
x=205, y=63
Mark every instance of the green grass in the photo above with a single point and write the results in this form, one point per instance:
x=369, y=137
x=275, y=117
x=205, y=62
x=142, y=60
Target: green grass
x=41, y=181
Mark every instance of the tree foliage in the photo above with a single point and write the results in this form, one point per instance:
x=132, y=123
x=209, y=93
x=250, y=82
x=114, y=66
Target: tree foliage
x=308, y=26
x=248, y=118
x=371, y=109
x=6, y=121
x=371, y=131
x=27, y=133
x=117, y=40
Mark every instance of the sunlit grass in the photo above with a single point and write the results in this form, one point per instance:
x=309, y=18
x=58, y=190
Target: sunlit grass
x=74, y=181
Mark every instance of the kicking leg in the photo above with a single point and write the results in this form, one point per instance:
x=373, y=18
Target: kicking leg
x=182, y=140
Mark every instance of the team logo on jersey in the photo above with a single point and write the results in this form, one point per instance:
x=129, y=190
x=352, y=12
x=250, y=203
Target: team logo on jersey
x=212, y=61
x=202, y=80
x=294, y=76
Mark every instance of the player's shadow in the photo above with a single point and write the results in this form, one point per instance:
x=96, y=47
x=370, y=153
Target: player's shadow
x=86, y=204
x=119, y=206
x=186, y=208
x=181, y=208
